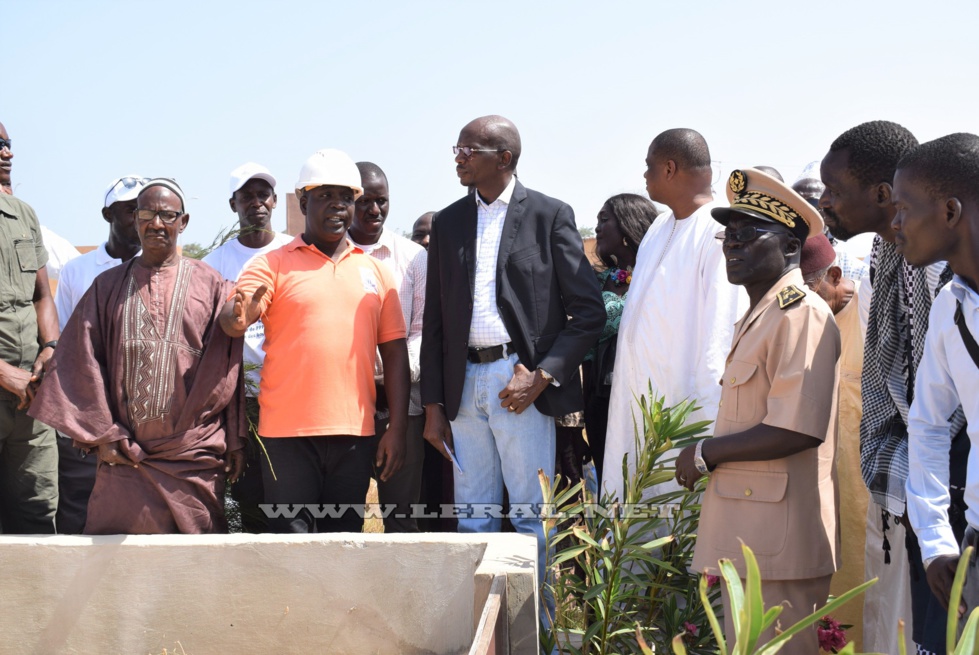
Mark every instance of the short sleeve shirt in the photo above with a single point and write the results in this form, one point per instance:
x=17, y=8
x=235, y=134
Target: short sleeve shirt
x=323, y=321
x=781, y=371
x=22, y=253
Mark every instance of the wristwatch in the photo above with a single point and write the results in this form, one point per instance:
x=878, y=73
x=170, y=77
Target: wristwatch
x=50, y=344
x=698, y=458
x=547, y=377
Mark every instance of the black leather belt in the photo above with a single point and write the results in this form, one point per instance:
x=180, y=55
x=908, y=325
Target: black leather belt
x=490, y=354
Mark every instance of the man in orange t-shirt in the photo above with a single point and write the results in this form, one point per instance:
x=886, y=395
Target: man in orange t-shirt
x=327, y=308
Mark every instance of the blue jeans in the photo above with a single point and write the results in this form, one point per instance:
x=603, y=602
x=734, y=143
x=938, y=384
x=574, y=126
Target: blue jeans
x=496, y=447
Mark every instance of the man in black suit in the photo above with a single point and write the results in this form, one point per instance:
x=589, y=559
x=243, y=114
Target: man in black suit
x=512, y=307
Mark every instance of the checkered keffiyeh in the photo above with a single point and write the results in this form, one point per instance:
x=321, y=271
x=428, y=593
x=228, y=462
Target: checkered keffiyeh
x=896, y=329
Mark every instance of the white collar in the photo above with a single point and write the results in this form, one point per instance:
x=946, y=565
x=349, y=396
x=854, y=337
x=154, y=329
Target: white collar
x=385, y=240
x=503, y=197
x=961, y=290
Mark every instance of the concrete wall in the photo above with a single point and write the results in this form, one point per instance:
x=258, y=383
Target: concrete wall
x=351, y=593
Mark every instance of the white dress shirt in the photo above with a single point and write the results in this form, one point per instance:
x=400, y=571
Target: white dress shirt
x=487, y=328
x=408, y=262
x=77, y=276
x=947, y=377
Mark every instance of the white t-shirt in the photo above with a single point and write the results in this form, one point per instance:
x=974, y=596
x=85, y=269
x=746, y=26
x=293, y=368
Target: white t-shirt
x=60, y=252
x=230, y=259
x=77, y=276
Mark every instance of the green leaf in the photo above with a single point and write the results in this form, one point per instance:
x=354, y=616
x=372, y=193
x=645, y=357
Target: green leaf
x=715, y=626
x=775, y=644
x=956, y=598
x=753, y=599
x=591, y=632
x=597, y=590
x=587, y=538
x=567, y=554
x=967, y=642
x=735, y=594
x=678, y=647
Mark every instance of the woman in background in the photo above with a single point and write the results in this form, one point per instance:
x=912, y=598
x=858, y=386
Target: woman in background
x=622, y=224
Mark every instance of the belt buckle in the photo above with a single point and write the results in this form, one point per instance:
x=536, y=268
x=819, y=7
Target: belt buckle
x=486, y=355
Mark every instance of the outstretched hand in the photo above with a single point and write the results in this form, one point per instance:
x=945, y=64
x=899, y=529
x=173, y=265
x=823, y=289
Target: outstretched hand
x=244, y=311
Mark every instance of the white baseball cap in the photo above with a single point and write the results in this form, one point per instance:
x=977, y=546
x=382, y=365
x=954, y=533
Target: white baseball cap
x=124, y=188
x=248, y=171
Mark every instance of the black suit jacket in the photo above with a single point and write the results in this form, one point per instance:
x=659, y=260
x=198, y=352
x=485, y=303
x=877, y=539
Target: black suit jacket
x=546, y=292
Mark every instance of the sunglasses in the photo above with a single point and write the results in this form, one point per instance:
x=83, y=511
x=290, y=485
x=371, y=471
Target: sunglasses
x=129, y=182
x=6, y=144
x=743, y=234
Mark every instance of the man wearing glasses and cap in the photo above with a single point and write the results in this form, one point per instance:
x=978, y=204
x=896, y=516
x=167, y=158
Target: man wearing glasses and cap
x=76, y=470
x=771, y=461
x=28, y=337
x=252, y=199
x=147, y=379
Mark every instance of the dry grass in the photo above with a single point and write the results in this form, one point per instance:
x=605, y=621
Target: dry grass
x=373, y=524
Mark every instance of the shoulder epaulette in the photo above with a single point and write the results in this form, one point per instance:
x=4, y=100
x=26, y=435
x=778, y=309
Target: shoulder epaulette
x=789, y=295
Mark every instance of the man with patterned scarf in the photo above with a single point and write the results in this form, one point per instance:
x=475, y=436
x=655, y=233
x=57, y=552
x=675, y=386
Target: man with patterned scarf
x=858, y=173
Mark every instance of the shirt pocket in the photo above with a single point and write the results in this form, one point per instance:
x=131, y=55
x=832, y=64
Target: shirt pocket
x=27, y=267
x=753, y=505
x=26, y=255
x=745, y=400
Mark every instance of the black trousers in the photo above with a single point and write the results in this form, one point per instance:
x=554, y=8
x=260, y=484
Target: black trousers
x=76, y=477
x=249, y=490
x=317, y=484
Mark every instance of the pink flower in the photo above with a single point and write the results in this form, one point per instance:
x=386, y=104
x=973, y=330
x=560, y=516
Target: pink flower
x=622, y=275
x=832, y=636
x=690, y=628
x=712, y=580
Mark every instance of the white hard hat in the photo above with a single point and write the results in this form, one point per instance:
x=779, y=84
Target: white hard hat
x=329, y=167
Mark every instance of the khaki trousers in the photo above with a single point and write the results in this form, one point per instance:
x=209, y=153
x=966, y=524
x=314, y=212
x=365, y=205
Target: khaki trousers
x=800, y=598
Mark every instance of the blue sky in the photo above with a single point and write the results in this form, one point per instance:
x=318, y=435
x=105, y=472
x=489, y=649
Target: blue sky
x=190, y=90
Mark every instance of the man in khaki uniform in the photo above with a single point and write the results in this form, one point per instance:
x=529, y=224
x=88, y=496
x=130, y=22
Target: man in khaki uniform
x=773, y=484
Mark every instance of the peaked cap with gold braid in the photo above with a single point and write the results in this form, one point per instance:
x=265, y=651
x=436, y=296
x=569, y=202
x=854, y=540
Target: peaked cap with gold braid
x=757, y=195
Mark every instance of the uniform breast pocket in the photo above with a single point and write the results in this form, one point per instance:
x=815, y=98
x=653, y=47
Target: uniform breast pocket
x=22, y=286
x=737, y=391
x=753, y=505
x=26, y=255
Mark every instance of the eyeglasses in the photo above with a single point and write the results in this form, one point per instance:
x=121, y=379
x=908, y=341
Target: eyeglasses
x=147, y=216
x=129, y=182
x=814, y=282
x=6, y=144
x=468, y=151
x=743, y=234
